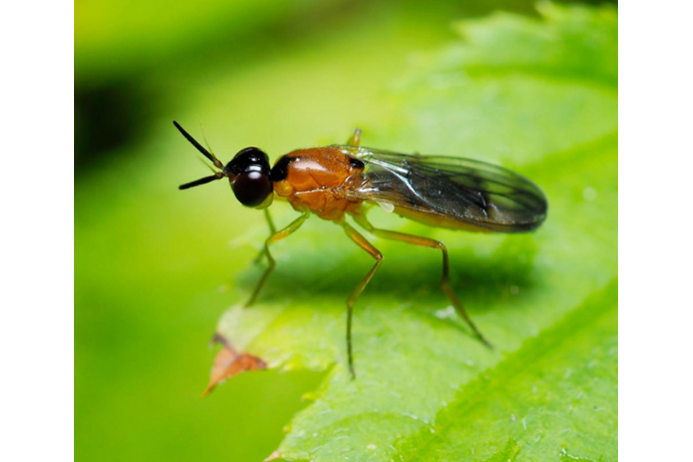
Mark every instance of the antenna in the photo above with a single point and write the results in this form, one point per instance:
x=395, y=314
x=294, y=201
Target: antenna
x=205, y=180
x=217, y=163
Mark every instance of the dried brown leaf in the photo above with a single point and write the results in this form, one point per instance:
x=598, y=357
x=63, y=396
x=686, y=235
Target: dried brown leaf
x=228, y=362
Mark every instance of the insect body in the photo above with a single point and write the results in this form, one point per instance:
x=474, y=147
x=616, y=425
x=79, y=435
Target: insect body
x=334, y=181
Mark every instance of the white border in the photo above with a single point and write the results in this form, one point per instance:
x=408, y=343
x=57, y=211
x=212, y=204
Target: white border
x=655, y=230
x=37, y=242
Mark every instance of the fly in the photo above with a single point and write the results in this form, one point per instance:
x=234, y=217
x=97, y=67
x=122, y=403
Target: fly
x=338, y=180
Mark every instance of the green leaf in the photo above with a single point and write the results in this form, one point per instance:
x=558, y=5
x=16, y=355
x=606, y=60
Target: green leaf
x=540, y=96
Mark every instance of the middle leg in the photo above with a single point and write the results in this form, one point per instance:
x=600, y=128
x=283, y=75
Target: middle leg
x=275, y=237
x=375, y=253
x=444, y=282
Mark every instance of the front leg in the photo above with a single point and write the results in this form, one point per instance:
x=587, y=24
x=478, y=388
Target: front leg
x=276, y=237
x=273, y=230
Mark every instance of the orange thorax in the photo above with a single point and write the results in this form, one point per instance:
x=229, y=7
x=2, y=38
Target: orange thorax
x=317, y=180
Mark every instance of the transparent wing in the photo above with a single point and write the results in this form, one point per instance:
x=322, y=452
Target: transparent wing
x=449, y=191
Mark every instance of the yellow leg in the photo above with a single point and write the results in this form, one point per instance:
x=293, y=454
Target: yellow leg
x=355, y=139
x=273, y=231
x=275, y=237
x=270, y=223
x=375, y=253
x=444, y=282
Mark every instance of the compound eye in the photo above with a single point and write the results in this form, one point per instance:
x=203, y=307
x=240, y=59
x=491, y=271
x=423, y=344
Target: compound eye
x=252, y=188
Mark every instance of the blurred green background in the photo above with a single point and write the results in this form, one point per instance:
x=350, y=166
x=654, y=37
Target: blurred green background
x=150, y=259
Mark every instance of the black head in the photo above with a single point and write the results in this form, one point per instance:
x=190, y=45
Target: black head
x=248, y=173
